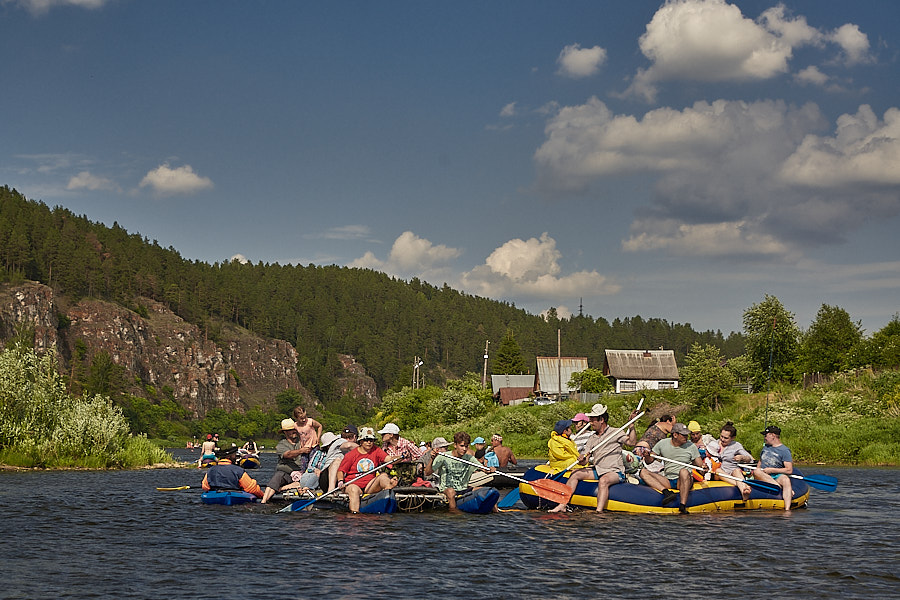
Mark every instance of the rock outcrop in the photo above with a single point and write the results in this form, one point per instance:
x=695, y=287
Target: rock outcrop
x=160, y=349
x=356, y=382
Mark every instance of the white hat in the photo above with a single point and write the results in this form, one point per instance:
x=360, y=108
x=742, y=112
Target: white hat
x=328, y=438
x=597, y=410
x=439, y=442
x=366, y=433
x=287, y=424
x=390, y=428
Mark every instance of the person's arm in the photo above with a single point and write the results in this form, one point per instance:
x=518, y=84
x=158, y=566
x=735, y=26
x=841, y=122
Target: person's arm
x=205, y=484
x=249, y=485
x=429, y=468
x=787, y=469
x=512, y=458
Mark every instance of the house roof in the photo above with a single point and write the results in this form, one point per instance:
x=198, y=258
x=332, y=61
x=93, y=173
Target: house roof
x=550, y=368
x=641, y=364
x=499, y=382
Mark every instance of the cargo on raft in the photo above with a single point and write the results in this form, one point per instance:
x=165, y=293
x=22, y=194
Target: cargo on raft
x=705, y=496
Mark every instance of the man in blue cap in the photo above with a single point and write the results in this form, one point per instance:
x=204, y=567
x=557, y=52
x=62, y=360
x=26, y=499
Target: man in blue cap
x=480, y=449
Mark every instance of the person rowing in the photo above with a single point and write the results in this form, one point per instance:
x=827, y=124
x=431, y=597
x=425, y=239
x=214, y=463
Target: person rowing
x=605, y=454
x=677, y=448
x=776, y=464
x=227, y=476
x=453, y=475
x=367, y=457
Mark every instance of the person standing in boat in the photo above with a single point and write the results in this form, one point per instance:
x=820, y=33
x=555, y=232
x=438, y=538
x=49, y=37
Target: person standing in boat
x=227, y=476
x=292, y=458
x=360, y=460
x=604, y=452
x=453, y=476
x=504, y=454
x=679, y=448
x=776, y=464
x=310, y=429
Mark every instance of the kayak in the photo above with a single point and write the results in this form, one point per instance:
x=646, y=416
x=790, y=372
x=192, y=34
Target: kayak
x=706, y=496
x=228, y=498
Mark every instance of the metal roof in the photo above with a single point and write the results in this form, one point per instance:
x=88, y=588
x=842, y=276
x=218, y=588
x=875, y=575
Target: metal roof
x=550, y=368
x=499, y=382
x=641, y=364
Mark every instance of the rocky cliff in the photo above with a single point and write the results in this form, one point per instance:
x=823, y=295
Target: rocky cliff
x=160, y=349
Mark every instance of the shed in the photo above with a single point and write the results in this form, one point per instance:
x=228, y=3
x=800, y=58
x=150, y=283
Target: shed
x=512, y=388
x=631, y=370
x=551, y=368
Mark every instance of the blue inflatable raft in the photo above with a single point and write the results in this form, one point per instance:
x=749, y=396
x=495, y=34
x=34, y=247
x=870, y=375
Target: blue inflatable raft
x=228, y=498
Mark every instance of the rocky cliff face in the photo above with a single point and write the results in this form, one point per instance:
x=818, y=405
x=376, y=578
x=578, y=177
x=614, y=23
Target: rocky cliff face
x=356, y=381
x=161, y=349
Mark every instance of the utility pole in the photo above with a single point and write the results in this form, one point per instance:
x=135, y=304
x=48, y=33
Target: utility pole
x=484, y=375
x=559, y=362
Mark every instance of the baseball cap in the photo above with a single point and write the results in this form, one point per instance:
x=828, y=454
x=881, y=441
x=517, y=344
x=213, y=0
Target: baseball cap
x=478, y=440
x=682, y=429
x=772, y=429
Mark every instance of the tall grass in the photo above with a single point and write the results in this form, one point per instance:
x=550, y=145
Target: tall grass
x=42, y=425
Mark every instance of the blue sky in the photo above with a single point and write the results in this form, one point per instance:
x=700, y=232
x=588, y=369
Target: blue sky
x=677, y=160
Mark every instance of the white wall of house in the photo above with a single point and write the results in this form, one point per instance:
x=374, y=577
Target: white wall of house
x=633, y=385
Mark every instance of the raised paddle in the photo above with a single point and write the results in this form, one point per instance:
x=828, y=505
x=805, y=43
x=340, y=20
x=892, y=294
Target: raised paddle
x=612, y=433
x=761, y=485
x=300, y=504
x=822, y=482
x=554, y=491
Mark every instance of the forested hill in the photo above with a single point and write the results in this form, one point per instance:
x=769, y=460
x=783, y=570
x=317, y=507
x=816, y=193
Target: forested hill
x=384, y=322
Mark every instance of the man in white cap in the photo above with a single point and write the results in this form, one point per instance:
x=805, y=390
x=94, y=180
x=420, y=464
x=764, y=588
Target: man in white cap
x=604, y=451
x=395, y=446
x=292, y=458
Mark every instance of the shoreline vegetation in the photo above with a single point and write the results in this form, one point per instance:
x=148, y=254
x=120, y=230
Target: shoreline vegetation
x=852, y=421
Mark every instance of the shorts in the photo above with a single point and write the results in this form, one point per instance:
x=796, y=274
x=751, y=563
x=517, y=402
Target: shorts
x=619, y=473
x=673, y=483
x=279, y=479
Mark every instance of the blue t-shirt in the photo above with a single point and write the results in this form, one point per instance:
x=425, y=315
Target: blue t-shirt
x=774, y=456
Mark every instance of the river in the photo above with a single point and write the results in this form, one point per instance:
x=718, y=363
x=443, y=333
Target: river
x=111, y=534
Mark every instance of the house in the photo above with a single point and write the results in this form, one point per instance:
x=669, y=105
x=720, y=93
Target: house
x=512, y=389
x=631, y=370
x=551, y=369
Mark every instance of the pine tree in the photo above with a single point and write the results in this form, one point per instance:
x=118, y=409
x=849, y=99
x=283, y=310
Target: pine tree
x=509, y=359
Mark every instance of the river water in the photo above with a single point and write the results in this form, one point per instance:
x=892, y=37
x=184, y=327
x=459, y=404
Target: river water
x=113, y=535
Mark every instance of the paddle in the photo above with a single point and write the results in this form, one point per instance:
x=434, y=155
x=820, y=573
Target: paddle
x=300, y=505
x=822, y=482
x=554, y=491
x=172, y=489
x=612, y=433
x=761, y=485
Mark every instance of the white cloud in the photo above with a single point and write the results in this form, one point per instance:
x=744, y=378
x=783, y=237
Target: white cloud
x=711, y=40
x=343, y=232
x=509, y=110
x=530, y=268
x=86, y=181
x=41, y=7
x=736, y=238
x=240, y=258
x=577, y=62
x=864, y=151
x=410, y=255
x=853, y=42
x=181, y=180
x=811, y=75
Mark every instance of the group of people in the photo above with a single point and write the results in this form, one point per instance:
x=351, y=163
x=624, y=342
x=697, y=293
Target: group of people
x=353, y=461
x=668, y=457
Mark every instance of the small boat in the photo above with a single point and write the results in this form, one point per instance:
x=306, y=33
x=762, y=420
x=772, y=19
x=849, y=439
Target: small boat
x=248, y=461
x=207, y=461
x=706, y=496
x=407, y=499
x=227, y=497
x=383, y=502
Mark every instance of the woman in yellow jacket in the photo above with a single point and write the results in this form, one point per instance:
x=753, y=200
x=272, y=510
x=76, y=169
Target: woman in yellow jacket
x=563, y=451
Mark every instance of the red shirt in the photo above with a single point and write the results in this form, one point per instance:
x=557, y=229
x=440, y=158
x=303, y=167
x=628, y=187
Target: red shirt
x=356, y=463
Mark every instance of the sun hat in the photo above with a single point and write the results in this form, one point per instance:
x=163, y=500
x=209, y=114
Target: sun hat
x=390, y=428
x=287, y=424
x=597, y=410
x=328, y=438
x=682, y=429
x=439, y=442
x=694, y=426
x=772, y=429
x=478, y=440
x=562, y=425
x=367, y=433
x=580, y=417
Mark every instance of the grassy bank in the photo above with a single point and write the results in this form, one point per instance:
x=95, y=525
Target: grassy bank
x=854, y=421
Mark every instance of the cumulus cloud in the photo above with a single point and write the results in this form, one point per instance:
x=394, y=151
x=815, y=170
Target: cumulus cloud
x=86, y=181
x=811, y=75
x=864, y=151
x=240, y=258
x=731, y=178
x=711, y=40
x=410, y=255
x=181, y=180
x=509, y=110
x=577, y=62
x=530, y=269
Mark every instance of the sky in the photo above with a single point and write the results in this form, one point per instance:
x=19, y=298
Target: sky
x=678, y=160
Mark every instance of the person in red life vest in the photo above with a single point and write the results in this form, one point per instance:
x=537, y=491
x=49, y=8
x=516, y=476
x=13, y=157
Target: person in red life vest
x=225, y=475
x=359, y=461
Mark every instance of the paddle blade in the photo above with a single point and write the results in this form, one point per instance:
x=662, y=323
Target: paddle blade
x=554, y=491
x=822, y=482
x=509, y=499
x=173, y=489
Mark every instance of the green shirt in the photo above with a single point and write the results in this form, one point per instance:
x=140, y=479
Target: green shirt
x=452, y=473
x=685, y=453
